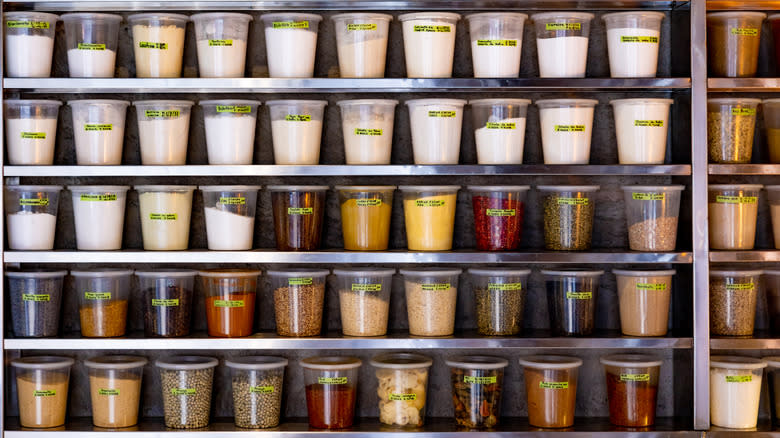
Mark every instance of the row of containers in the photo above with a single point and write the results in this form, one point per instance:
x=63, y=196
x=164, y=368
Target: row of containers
x=99, y=211
x=429, y=43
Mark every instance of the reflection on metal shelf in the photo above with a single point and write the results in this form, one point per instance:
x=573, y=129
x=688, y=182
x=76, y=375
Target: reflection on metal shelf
x=744, y=256
x=765, y=429
x=758, y=85
x=761, y=340
x=745, y=5
x=744, y=169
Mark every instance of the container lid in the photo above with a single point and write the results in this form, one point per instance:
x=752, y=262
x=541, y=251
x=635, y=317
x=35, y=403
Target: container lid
x=735, y=272
x=455, y=102
x=98, y=101
x=567, y=102
x=365, y=188
x=297, y=188
x=256, y=362
x=229, y=188
x=34, y=188
x=30, y=102
x=736, y=14
x=737, y=362
x=735, y=187
x=551, y=362
x=186, y=363
x=229, y=102
x=633, y=14
x=499, y=101
x=164, y=102
x=116, y=362
x=674, y=188
x=498, y=272
x=164, y=15
x=772, y=361
x=331, y=363
x=363, y=15
x=208, y=15
x=25, y=14
x=90, y=16
x=36, y=274
x=498, y=188
x=478, y=362
x=770, y=17
x=572, y=272
x=230, y=273
x=737, y=100
x=42, y=362
x=147, y=188
x=296, y=102
x=549, y=15
x=429, y=16
x=496, y=15
x=774, y=187
x=631, y=360
x=765, y=101
x=429, y=188
x=162, y=273
x=388, y=102
x=644, y=100
x=299, y=272
x=365, y=272
x=428, y=272
x=568, y=188
x=98, y=189
x=290, y=15
x=103, y=273
x=401, y=361
x=771, y=272
x=634, y=273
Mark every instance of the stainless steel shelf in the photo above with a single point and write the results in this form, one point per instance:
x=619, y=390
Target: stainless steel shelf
x=765, y=429
x=761, y=340
x=758, y=85
x=746, y=5
x=744, y=169
x=745, y=256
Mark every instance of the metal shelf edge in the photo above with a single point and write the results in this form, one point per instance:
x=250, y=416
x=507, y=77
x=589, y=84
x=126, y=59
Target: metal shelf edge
x=743, y=344
x=744, y=169
x=762, y=85
x=756, y=256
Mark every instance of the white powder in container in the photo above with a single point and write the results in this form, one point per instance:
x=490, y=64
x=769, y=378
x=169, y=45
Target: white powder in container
x=221, y=58
x=30, y=141
x=296, y=142
x=99, y=131
x=436, y=129
x=566, y=134
x=496, y=58
x=31, y=231
x=364, y=59
x=28, y=56
x=562, y=57
x=291, y=52
x=228, y=231
x=99, y=216
x=91, y=63
x=641, y=126
x=158, y=50
x=230, y=140
x=163, y=131
x=165, y=219
x=368, y=141
x=633, y=52
x=429, y=47
x=501, y=142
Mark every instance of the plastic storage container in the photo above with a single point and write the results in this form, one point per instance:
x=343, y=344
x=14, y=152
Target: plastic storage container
x=773, y=196
x=257, y=383
x=498, y=216
x=91, y=41
x=230, y=301
x=632, y=388
x=562, y=43
x=772, y=122
x=551, y=389
x=221, y=40
x=731, y=124
x=299, y=297
x=35, y=298
x=643, y=298
x=436, y=125
x=651, y=216
x=165, y=216
x=365, y=216
x=331, y=390
x=230, y=216
x=642, y=126
x=632, y=40
x=367, y=125
x=430, y=216
x=429, y=43
x=99, y=130
x=733, y=297
x=186, y=383
x=291, y=42
x=42, y=390
x=296, y=128
x=567, y=128
x=364, y=298
x=572, y=295
x=733, y=39
x=496, y=43
x=499, y=296
x=103, y=298
x=298, y=214
x=499, y=129
x=773, y=380
x=733, y=211
x=230, y=130
x=402, y=387
x=167, y=301
x=163, y=131
x=31, y=216
x=735, y=390
x=29, y=43
x=99, y=216
x=772, y=289
x=361, y=42
x=158, y=44
x=477, y=382
x=30, y=130
x=568, y=217
x=115, y=389
x=431, y=298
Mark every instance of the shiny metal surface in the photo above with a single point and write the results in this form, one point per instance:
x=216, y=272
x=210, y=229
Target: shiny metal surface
x=760, y=85
x=742, y=4
x=744, y=169
x=744, y=256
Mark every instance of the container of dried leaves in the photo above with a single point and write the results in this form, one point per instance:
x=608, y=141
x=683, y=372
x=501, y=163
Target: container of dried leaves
x=257, y=390
x=499, y=295
x=568, y=217
x=733, y=301
x=731, y=123
x=651, y=216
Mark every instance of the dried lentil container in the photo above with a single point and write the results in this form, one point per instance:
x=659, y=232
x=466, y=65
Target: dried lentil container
x=571, y=300
x=331, y=390
x=731, y=124
x=499, y=295
x=733, y=297
x=364, y=297
x=257, y=390
x=477, y=383
x=735, y=391
x=42, y=390
x=632, y=388
x=568, y=217
x=652, y=215
x=551, y=389
x=186, y=383
x=299, y=296
x=115, y=389
x=733, y=212
x=733, y=40
x=103, y=300
x=431, y=297
x=298, y=213
x=643, y=298
x=402, y=386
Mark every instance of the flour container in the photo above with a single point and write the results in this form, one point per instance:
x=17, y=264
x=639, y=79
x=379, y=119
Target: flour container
x=291, y=42
x=99, y=131
x=642, y=126
x=158, y=44
x=31, y=216
x=230, y=216
x=735, y=391
x=643, y=299
x=731, y=124
x=632, y=388
x=29, y=43
x=31, y=131
x=431, y=298
x=651, y=216
x=230, y=130
x=186, y=384
x=42, y=390
x=429, y=213
x=402, y=386
x=296, y=128
x=257, y=383
x=632, y=40
x=165, y=216
x=772, y=126
x=361, y=41
x=163, y=131
x=496, y=43
x=115, y=389
x=733, y=212
x=222, y=40
x=364, y=300
x=365, y=216
x=436, y=126
x=99, y=216
x=562, y=43
x=429, y=43
x=91, y=41
x=367, y=125
x=103, y=297
x=499, y=129
x=733, y=40
x=567, y=128
x=35, y=298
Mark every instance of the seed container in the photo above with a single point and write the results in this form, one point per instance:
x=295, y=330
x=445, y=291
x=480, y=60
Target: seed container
x=772, y=289
x=230, y=301
x=551, y=389
x=298, y=214
x=731, y=124
x=498, y=216
x=643, y=298
x=299, y=297
x=499, y=129
x=35, y=298
x=477, y=382
x=30, y=129
x=331, y=390
x=772, y=122
x=402, y=386
x=158, y=44
x=31, y=216
x=651, y=216
x=296, y=128
x=733, y=297
x=632, y=40
x=230, y=130
x=365, y=216
x=230, y=216
x=361, y=42
x=735, y=391
x=115, y=389
x=499, y=295
x=496, y=43
x=364, y=297
x=733, y=40
x=632, y=388
x=99, y=131
x=165, y=216
x=431, y=297
x=568, y=217
x=733, y=212
x=429, y=43
x=641, y=126
x=773, y=380
x=29, y=43
x=99, y=216
x=436, y=126
x=291, y=42
x=567, y=128
x=562, y=43
x=42, y=390
x=91, y=41
x=103, y=298
x=167, y=301
x=429, y=213
x=186, y=383
x=367, y=125
x=257, y=390
x=163, y=128
x=571, y=300
x=221, y=40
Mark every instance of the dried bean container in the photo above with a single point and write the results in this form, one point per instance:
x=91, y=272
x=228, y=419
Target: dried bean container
x=651, y=214
x=35, y=298
x=735, y=391
x=733, y=40
x=115, y=389
x=551, y=389
x=402, y=387
x=499, y=295
x=331, y=390
x=632, y=388
x=431, y=297
x=643, y=299
x=103, y=300
x=42, y=390
x=568, y=217
x=299, y=296
x=298, y=215
x=186, y=383
x=257, y=383
x=498, y=216
x=364, y=297
x=571, y=300
x=733, y=297
x=733, y=212
x=731, y=124
x=477, y=382
x=230, y=301
x=167, y=301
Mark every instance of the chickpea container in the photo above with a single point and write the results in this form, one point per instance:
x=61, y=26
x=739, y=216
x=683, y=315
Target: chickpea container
x=402, y=388
x=186, y=383
x=257, y=383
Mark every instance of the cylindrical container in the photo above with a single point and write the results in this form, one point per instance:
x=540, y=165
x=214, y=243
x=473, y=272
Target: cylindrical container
x=429, y=43
x=158, y=44
x=568, y=217
x=230, y=216
x=298, y=212
x=365, y=216
x=632, y=40
x=230, y=301
x=402, y=387
x=773, y=196
x=643, y=299
x=42, y=390
x=361, y=42
x=99, y=130
x=498, y=216
x=436, y=125
x=562, y=43
x=103, y=297
x=99, y=216
x=167, y=301
x=641, y=126
x=291, y=42
x=230, y=130
x=431, y=297
x=165, y=216
x=299, y=297
x=499, y=296
x=772, y=289
x=496, y=43
x=733, y=39
x=632, y=388
x=31, y=216
x=364, y=299
x=30, y=130
x=772, y=120
x=331, y=390
x=551, y=389
x=735, y=391
x=733, y=212
x=29, y=43
x=367, y=125
x=163, y=131
x=257, y=383
x=429, y=213
x=477, y=382
x=571, y=300
x=221, y=39
x=651, y=216
x=731, y=124
x=35, y=298
x=567, y=128
x=186, y=383
x=115, y=389
x=91, y=41
x=499, y=129
x=733, y=297
x=773, y=380
x=296, y=130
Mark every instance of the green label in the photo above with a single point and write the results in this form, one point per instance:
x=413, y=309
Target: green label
x=402, y=397
x=637, y=196
x=228, y=303
x=635, y=377
x=33, y=135
x=163, y=216
x=651, y=286
x=108, y=391
x=97, y=295
x=491, y=43
x=332, y=380
x=741, y=286
x=232, y=200
x=430, y=202
x=497, y=125
x=743, y=111
x=36, y=297
x=554, y=385
x=91, y=46
x=366, y=287
x=639, y=39
x=739, y=379
x=428, y=28
x=162, y=114
x=150, y=45
x=744, y=31
x=45, y=393
x=98, y=127
x=368, y=131
x=722, y=199
x=569, y=128
x=649, y=123
x=297, y=118
x=304, y=281
x=435, y=286
x=579, y=295
x=220, y=43
x=239, y=109
x=290, y=25
x=563, y=26
x=362, y=26
x=22, y=24
x=261, y=390
x=573, y=201
x=369, y=202
x=98, y=198
x=297, y=211
x=480, y=380
x=500, y=212
x=446, y=114
x=170, y=302
x=505, y=286
x=184, y=391
x=34, y=201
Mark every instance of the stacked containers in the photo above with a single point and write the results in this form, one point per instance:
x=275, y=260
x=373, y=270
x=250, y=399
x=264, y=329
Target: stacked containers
x=158, y=44
x=29, y=43
x=364, y=298
x=361, y=41
x=30, y=130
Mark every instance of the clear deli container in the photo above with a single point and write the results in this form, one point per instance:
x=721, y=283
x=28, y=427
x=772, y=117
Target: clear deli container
x=221, y=41
x=165, y=216
x=163, y=131
x=499, y=129
x=99, y=130
x=499, y=297
x=103, y=300
x=230, y=130
x=642, y=126
x=773, y=196
x=733, y=298
x=115, y=389
x=436, y=126
x=429, y=43
x=651, y=216
x=158, y=44
x=477, y=382
x=365, y=216
x=31, y=216
x=186, y=383
x=429, y=213
x=167, y=301
x=731, y=124
x=772, y=289
x=567, y=128
x=364, y=299
x=735, y=391
x=35, y=298
x=367, y=125
x=296, y=129
x=230, y=301
x=632, y=388
x=562, y=43
x=298, y=215
x=733, y=212
x=773, y=383
x=230, y=216
x=496, y=43
x=257, y=383
x=291, y=42
x=551, y=389
x=733, y=40
x=361, y=42
x=774, y=22
x=572, y=295
x=568, y=217
x=299, y=297
x=643, y=299
x=402, y=387
x=498, y=216
x=91, y=41
x=29, y=43
x=42, y=390
x=632, y=40
x=331, y=390
x=99, y=216
x=772, y=124
x=431, y=298
x=30, y=131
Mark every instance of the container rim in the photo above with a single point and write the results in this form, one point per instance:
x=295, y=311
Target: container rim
x=126, y=103
x=642, y=99
x=43, y=362
x=102, y=273
x=563, y=14
x=300, y=272
x=116, y=362
x=256, y=362
x=572, y=272
x=385, y=102
x=772, y=361
x=365, y=15
x=162, y=273
x=737, y=100
x=34, y=188
x=551, y=361
x=331, y=362
x=48, y=16
x=655, y=14
x=31, y=102
x=180, y=17
x=365, y=188
x=645, y=273
x=771, y=271
x=568, y=188
x=773, y=17
x=736, y=13
x=297, y=188
x=735, y=272
x=186, y=363
x=452, y=102
x=496, y=272
x=361, y=272
x=430, y=272
x=229, y=188
x=631, y=360
x=755, y=187
x=158, y=188
x=183, y=103
x=230, y=273
x=36, y=274
x=207, y=15
x=91, y=15
x=429, y=188
x=772, y=187
x=498, y=188
x=765, y=101
x=401, y=361
x=500, y=101
x=477, y=362
x=230, y=102
x=737, y=362
x=84, y=189
x=669, y=188
x=295, y=15
x=429, y=16
x=323, y=103
x=496, y=14
x=583, y=102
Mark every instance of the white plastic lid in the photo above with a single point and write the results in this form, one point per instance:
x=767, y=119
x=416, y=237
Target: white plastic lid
x=499, y=101
x=98, y=101
x=755, y=187
x=449, y=16
x=498, y=188
x=735, y=272
x=771, y=17
x=736, y=14
x=401, y=361
x=288, y=16
x=98, y=189
x=765, y=101
x=772, y=188
x=229, y=188
x=478, y=362
x=296, y=102
x=220, y=15
x=734, y=100
x=567, y=102
x=497, y=15
x=297, y=188
x=257, y=362
x=146, y=188
x=443, y=102
x=32, y=15
x=633, y=273
x=365, y=272
x=187, y=363
x=362, y=16
x=573, y=15
x=653, y=14
x=771, y=272
x=158, y=15
x=31, y=102
x=229, y=102
x=429, y=188
x=116, y=362
x=385, y=102
x=163, y=273
x=365, y=188
x=642, y=100
x=430, y=272
x=34, y=188
x=674, y=188
x=737, y=362
x=772, y=361
x=164, y=102
x=90, y=16
x=568, y=188
x=331, y=363
x=302, y=272
x=36, y=274
x=230, y=273
x=551, y=362
x=499, y=272
x=631, y=360
x=103, y=273
x=572, y=272
x=42, y=362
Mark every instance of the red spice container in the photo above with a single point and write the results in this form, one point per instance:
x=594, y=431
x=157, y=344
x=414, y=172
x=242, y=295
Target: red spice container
x=331, y=390
x=632, y=388
x=498, y=216
x=230, y=301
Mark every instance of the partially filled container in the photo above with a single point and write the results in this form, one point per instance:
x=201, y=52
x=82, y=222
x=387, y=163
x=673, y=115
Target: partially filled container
x=296, y=130
x=298, y=215
x=186, y=385
x=735, y=391
x=774, y=22
x=499, y=129
x=642, y=127
x=733, y=212
x=551, y=389
x=291, y=42
x=499, y=297
x=365, y=216
x=773, y=384
x=31, y=216
x=632, y=39
x=632, y=388
x=230, y=301
x=733, y=40
x=567, y=128
x=35, y=299
x=772, y=290
x=299, y=297
x=167, y=297
x=331, y=390
x=496, y=43
x=568, y=217
x=572, y=295
x=361, y=43
x=562, y=43
x=498, y=216
x=733, y=298
x=165, y=216
x=429, y=213
x=772, y=123
x=103, y=297
x=29, y=43
x=158, y=44
x=257, y=383
x=115, y=389
x=402, y=387
x=230, y=130
x=431, y=299
x=731, y=124
x=367, y=126
x=99, y=131
x=364, y=300
x=91, y=42
x=652, y=214
x=477, y=382
x=643, y=299
x=221, y=41
x=773, y=196
x=30, y=131
x=230, y=216
x=429, y=43
x=99, y=216
x=42, y=390
x=436, y=126
x=163, y=131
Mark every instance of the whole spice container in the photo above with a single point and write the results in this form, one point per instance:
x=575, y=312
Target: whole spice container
x=568, y=217
x=773, y=379
x=733, y=297
x=632, y=388
x=99, y=216
x=731, y=124
x=331, y=390
x=651, y=216
x=735, y=391
x=257, y=390
x=733, y=212
x=103, y=297
x=364, y=297
x=429, y=213
x=571, y=300
x=230, y=301
x=298, y=212
x=166, y=301
x=42, y=390
x=165, y=216
x=299, y=297
x=230, y=216
x=499, y=295
x=772, y=289
x=643, y=298
x=773, y=196
x=35, y=298
x=31, y=216
x=365, y=216
x=402, y=388
x=551, y=389
x=477, y=383
x=733, y=40
x=431, y=297
x=498, y=216
x=186, y=390
x=772, y=118
x=115, y=389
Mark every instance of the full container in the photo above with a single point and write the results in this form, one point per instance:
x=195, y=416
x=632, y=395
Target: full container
x=567, y=128
x=431, y=298
x=115, y=389
x=772, y=289
x=361, y=43
x=402, y=387
x=772, y=124
x=367, y=125
x=163, y=131
x=643, y=299
x=733, y=297
x=257, y=383
x=429, y=43
x=158, y=44
x=498, y=216
x=568, y=217
x=572, y=295
x=773, y=381
x=35, y=298
x=632, y=388
x=230, y=301
x=221, y=40
x=477, y=382
x=166, y=301
x=499, y=129
x=430, y=216
x=364, y=299
x=42, y=390
x=91, y=41
x=299, y=297
x=291, y=42
x=652, y=214
x=99, y=216
x=773, y=196
x=365, y=216
x=230, y=130
x=296, y=130
x=642, y=126
x=733, y=212
x=733, y=40
x=551, y=389
x=230, y=216
x=103, y=300
x=31, y=216
x=496, y=43
x=165, y=216
x=499, y=297
x=735, y=390
x=436, y=126
x=731, y=124
x=331, y=390
x=298, y=214
x=562, y=43
x=30, y=130
x=29, y=43
x=632, y=40
x=186, y=383
x=99, y=130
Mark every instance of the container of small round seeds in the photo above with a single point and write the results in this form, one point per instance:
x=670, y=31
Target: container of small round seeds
x=568, y=217
x=257, y=390
x=651, y=216
x=186, y=390
x=733, y=298
x=499, y=295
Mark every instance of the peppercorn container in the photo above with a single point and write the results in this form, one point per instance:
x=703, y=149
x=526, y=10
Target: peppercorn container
x=230, y=216
x=773, y=381
x=186, y=383
x=365, y=216
x=31, y=216
x=571, y=300
x=499, y=295
x=99, y=216
x=498, y=216
x=230, y=301
x=115, y=389
x=167, y=301
x=733, y=212
x=551, y=389
x=632, y=388
x=429, y=213
x=731, y=124
x=103, y=299
x=431, y=297
x=643, y=299
x=477, y=382
x=331, y=390
x=257, y=390
x=402, y=388
x=35, y=298
x=42, y=387
x=651, y=216
x=568, y=217
x=733, y=298
x=298, y=215
x=733, y=40
x=299, y=297
x=364, y=297
x=735, y=391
